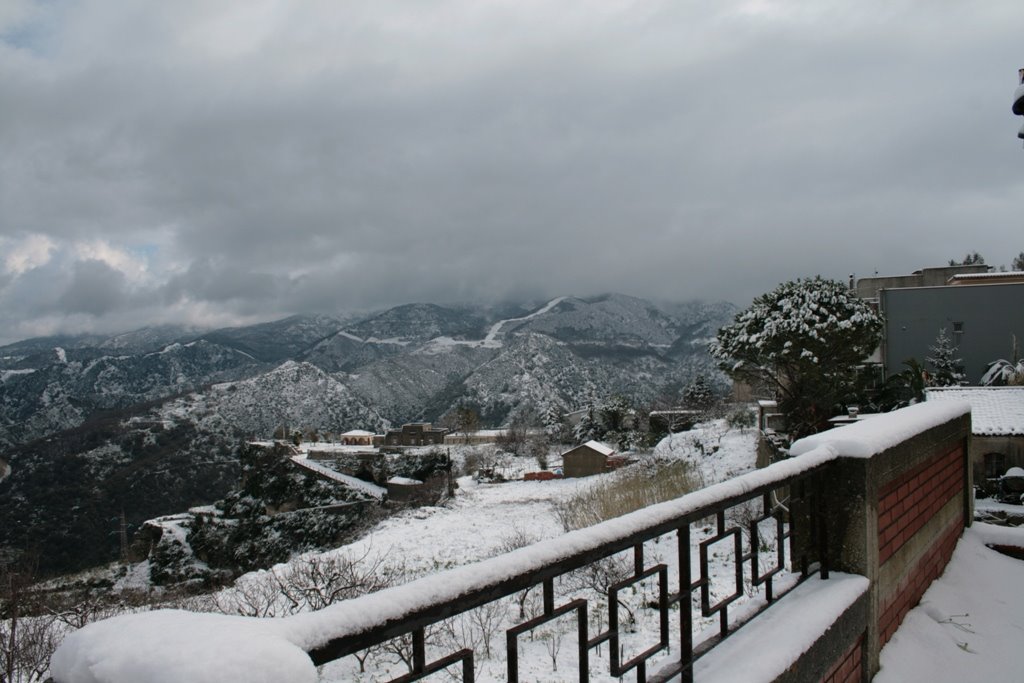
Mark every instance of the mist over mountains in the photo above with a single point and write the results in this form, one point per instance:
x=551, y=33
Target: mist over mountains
x=149, y=421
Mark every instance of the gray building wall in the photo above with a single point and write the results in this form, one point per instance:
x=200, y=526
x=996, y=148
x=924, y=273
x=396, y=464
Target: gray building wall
x=989, y=316
x=868, y=287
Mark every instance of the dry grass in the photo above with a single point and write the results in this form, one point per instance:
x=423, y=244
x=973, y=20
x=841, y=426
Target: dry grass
x=625, y=491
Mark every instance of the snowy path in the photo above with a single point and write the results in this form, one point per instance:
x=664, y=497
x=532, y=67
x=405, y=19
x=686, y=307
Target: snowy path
x=490, y=340
x=496, y=327
x=970, y=623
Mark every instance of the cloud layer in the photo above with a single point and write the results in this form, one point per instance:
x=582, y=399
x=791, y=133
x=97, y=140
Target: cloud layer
x=214, y=163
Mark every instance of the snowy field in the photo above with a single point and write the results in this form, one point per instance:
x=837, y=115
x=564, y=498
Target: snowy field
x=487, y=519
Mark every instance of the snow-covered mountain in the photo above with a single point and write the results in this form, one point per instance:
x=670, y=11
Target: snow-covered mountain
x=100, y=419
x=409, y=362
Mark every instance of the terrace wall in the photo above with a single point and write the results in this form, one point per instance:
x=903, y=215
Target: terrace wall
x=898, y=515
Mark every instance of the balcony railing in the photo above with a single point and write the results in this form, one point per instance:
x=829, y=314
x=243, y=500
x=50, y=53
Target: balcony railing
x=786, y=498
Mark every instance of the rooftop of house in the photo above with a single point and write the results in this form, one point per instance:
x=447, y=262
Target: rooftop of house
x=993, y=275
x=995, y=411
x=601, y=448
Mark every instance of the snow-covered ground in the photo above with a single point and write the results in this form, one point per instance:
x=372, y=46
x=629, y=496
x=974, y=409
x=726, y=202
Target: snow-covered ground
x=966, y=628
x=482, y=521
x=969, y=625
x=487, y=519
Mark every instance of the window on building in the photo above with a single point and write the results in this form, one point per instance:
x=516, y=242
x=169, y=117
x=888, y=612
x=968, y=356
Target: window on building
x=995, y=465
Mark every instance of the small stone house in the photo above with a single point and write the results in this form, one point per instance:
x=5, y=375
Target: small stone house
x=415, y=434
x=586, y=459
x=436, y=488
x=997, y=427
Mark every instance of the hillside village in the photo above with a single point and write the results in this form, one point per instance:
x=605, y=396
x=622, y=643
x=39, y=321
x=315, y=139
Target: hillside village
x=305, y=492
x=541, y=342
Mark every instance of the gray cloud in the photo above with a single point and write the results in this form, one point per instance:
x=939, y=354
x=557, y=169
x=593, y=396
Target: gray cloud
x=266, y=158
x=95, y=288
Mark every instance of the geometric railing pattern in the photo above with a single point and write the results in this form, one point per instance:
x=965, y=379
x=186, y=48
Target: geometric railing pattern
x=788, y=508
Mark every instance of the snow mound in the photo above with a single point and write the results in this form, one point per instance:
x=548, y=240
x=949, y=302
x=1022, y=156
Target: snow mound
x=169, y=646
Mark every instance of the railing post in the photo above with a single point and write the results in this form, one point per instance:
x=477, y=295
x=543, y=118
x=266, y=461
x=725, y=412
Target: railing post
x=419, y=651
x=821, y=510
x=685, y=607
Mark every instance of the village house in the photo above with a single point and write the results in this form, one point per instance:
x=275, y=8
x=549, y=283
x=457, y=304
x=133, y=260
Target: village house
x=357, y=437
x=997, y=427
x=587, y=459
x=415, y=434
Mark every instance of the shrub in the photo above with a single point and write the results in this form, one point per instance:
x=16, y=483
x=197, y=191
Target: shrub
x=629, y=489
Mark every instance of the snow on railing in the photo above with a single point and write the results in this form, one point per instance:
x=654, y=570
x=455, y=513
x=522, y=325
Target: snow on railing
x=291, y=648
x=349, y=626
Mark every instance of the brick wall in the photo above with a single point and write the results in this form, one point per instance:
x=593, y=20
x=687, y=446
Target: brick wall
x=849, y=668
x=909, y=592
x=906, y=503
x=905, y=506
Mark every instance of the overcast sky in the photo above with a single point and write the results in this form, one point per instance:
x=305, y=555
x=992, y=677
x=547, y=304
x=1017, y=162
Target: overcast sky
x=221, y=163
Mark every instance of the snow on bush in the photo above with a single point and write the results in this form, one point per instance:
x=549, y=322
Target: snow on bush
x=803, y=341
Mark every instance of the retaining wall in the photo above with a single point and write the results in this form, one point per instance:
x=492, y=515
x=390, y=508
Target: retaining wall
x=894, y=516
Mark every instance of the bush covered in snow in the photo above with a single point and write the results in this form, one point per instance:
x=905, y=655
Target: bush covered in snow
x=803, y=342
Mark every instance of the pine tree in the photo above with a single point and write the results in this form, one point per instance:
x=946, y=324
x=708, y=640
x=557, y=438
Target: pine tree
x=971, y=258
x=554, y=423
x=699, y=395
x=804, y=340
x=1018, y=262
x=948, y=369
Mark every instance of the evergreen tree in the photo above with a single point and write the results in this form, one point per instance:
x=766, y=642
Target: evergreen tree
x=947, y=368
x=586, y=429
x=699, y=395
x=1018, y=262
x=554, y=423
x=805, y=341
x=971, y=258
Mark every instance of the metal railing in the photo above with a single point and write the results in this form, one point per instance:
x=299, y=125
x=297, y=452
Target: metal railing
x=796, y=523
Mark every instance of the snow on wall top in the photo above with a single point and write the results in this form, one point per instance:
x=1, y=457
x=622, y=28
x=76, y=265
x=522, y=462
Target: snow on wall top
x=352, y=482
x=792, y=626
x=995, y=411
x=871, y=437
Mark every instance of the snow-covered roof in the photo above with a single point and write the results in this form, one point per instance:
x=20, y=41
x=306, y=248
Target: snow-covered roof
x=987, y=276
x=357, y=432
x=995, y=411
x=603, y=449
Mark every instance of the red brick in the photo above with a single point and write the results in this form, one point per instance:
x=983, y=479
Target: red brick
x=884, y=520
